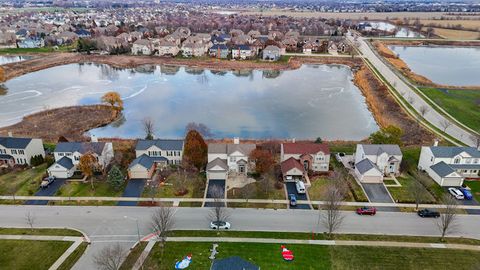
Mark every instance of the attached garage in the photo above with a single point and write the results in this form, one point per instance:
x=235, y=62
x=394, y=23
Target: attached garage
x=217, y=169
x=445, y=175
x=142, y=167
x=367, y=172
x=292, y=170
x=63, y=168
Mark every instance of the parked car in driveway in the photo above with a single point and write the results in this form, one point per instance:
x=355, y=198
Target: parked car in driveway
x=300, y=187
x=293, y=199
x=366, y=211
x=456, y=193
x=47, y=181
x=466, y=193
x=219, y=225
x=428, y=213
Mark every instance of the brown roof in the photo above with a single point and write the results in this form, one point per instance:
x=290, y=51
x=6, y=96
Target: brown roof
x=289, y=164
x=305, y=148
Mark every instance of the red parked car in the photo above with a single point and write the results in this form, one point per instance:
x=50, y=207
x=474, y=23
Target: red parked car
x=367, y=211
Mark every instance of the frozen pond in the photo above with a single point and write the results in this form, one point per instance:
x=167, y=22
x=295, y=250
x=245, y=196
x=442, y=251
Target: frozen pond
x=459, y=66
x=313, y=101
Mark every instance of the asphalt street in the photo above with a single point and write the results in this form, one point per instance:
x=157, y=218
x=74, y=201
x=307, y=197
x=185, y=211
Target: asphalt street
x=108, y=225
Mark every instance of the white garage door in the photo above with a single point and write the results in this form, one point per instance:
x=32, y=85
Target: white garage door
x=371, y=179
x=59, y=174
x=216, y=175
x=452, y=182
x=137, y=174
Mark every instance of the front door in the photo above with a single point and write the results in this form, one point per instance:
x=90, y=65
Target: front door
x=391, y=168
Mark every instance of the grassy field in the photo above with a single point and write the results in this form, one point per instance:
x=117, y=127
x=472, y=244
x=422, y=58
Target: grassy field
x=73, y=258
x=79, y=189
x=455, y=34
x=195, y=185
x=464, y=105
x=26, y=231
x=23, y=254
x=403, y=194
x=23, y=183
x=268, y=256
x=36, y=50
x=475, y=186
x=317, y=191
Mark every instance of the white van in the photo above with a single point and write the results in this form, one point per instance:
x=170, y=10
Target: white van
x=300, y=187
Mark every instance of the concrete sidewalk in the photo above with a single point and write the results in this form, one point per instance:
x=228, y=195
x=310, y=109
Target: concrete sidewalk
x=324, y=242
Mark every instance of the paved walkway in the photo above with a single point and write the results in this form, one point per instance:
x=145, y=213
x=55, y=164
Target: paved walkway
x=76, y=242
x=433, y=117
x=144, y=255
x=324, y=242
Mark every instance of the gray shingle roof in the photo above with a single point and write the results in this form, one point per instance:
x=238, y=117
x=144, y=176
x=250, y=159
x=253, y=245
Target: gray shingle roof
x=365, y=165
x=224, y=148
x=442, y=169
x=377, y=149
x=15, y=143
x=465, y=166
x=217, y=162
x=143, y=160
x=233, y=263
x=65, y=162
x=451, y=151
x=81, y=147
x=162, y=144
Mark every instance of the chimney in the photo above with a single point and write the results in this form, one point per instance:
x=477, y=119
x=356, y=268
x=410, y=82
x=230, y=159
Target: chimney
x=236, y=140
x=94, y=138
x=293, y=140
x=10, y=134
x=435, y=142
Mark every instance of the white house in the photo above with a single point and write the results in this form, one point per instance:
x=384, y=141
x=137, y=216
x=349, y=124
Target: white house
x=19, y=151
x=450, y=165
x=142, y=47
x=227, y=158
x=166, y=47
x=373, y=161
x=67, y=156
x=153, y=153
x=242, y=52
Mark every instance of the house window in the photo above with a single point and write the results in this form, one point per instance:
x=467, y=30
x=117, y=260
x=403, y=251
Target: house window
x=60, y=154
x=456, y=161
x=68, y=154
x=233, y=159
x=475, y=161
x=431, y=159
x=14, y=152
x=468, y=160
x=21, y=152
x=77, y=158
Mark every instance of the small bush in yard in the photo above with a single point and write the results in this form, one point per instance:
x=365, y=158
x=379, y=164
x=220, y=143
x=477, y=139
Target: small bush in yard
x=115, y=178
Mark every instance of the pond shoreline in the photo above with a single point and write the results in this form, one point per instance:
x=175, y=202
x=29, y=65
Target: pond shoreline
x=383, y=49
x=375, y=95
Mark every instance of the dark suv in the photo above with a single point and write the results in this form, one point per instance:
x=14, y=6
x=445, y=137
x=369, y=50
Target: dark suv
x=428, y=213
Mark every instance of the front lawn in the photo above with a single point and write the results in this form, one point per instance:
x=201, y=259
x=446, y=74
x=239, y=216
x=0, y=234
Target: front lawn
x=268, y=256
x=403, y=194
x=35, y=231
x=463, y=105
x=80, y=189
x=26, y=254
x=317, y=191
x=23, y=182
x=268, y=189
x=475, y=186
x=193, y=184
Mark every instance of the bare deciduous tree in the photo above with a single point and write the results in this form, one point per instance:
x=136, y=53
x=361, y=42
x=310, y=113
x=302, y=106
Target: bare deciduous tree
x=30, y=219
x=219, y=211
x=445, y=124
x=162, y=222
x=446, y=222
x=416, y=189
x=148, y=127
x=423, y=110
x=331, y=216
x=110, y=258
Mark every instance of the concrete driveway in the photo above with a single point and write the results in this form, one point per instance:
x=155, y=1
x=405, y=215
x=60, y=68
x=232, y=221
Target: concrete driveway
x=467, y=202
x=212, y=184
x=378, y=193
x=134, y=188
x=49, y=191
x=291, y=189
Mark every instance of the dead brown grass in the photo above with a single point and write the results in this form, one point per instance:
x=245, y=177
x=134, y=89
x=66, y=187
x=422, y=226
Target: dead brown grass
x=70, y=122
x=386, y=110
x=455, y=34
